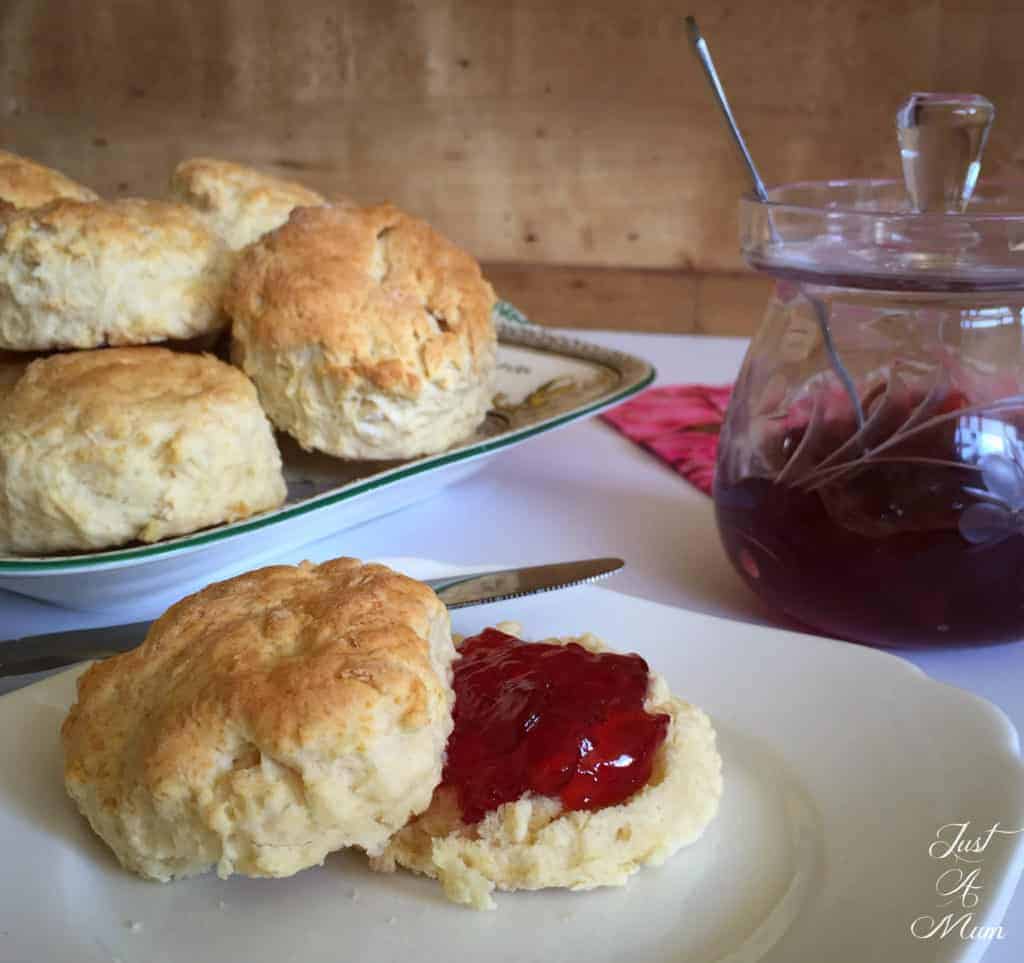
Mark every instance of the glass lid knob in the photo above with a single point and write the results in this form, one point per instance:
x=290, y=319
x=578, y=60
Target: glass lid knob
x=941, y=139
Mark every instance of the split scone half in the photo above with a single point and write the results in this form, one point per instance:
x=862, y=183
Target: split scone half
x=534, y=842
x=265, y=722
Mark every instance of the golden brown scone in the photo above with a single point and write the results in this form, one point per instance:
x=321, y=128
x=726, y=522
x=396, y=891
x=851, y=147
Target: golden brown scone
x=265, y=722
x=100, y=448
x=533, y=844
x=24, y=183
x=240, y=203
x=368, y=334
x=82, y=275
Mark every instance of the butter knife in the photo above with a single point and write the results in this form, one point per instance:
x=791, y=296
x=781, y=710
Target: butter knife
x=36, y=653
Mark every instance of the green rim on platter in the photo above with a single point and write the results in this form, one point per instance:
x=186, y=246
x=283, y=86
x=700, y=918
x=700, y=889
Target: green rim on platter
x=513, y=328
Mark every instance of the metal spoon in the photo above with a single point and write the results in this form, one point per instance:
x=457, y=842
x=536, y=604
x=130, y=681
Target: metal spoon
x=700, y=48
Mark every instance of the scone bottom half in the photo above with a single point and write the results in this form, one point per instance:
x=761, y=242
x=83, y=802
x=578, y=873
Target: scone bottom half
x=265, y=722
x=600, y=771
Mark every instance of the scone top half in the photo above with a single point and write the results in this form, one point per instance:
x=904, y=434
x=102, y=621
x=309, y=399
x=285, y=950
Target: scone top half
x=367, y=333
x=265, y=722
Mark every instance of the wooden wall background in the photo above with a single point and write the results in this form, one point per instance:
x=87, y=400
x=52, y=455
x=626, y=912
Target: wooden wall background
x=573, y=147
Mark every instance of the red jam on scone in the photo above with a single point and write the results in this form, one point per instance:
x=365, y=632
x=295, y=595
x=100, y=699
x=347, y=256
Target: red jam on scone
x=555, y=720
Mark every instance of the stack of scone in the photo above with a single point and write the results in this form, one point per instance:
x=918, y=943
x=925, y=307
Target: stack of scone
x=361, y=332
x=271, y=719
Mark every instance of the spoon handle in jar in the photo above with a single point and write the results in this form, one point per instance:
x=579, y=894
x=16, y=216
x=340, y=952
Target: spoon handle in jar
x=700, y=48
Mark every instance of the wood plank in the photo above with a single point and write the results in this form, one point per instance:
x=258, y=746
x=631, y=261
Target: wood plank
x=634, y=300
x=615, y=298
x=532, y=132
x=729, y=304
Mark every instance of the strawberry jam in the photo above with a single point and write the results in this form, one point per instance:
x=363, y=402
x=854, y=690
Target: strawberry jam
x=556, y=720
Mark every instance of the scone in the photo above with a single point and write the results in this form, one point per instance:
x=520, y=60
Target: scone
x=265, y=722
x=240, y=203
x=367, y=333
x=100, y=448
x=24, y=183
x=83, y=275
x=583, y=835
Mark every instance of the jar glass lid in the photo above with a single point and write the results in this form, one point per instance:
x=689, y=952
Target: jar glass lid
x=864, y=233
x=937, y=229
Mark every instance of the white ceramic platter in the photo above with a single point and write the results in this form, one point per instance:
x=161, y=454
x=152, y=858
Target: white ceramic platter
x=545, y=381
x=841, y=765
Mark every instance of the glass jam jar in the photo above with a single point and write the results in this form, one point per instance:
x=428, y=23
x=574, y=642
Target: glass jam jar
x=870, y=475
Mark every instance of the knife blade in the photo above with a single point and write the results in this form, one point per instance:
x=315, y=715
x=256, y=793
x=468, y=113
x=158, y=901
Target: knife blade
x=37, y=653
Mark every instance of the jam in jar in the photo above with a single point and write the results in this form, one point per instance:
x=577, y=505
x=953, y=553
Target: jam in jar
x=870, y=474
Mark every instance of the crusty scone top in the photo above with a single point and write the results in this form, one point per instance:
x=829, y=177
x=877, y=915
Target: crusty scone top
x=290, y=659
x=387, y=298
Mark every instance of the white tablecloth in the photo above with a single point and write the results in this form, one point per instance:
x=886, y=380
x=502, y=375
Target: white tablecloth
x=587, y=491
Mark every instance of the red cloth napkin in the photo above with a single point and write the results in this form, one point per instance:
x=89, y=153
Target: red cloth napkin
x=680, y=424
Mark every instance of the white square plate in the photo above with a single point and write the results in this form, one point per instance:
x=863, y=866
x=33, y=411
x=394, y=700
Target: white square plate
x=841, y=765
